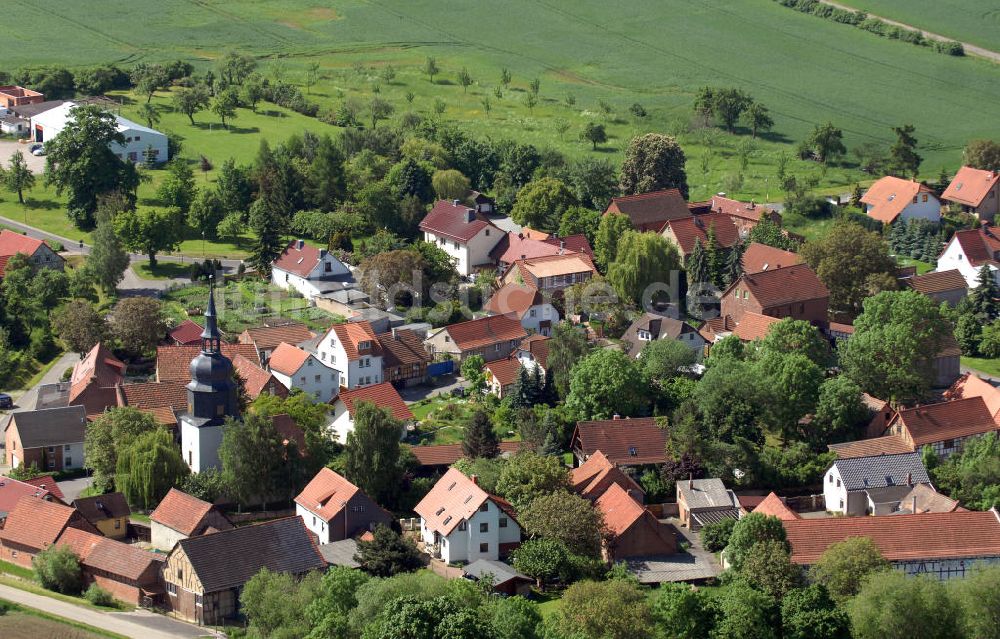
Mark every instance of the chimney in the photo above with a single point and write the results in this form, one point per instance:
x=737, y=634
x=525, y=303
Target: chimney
x=454, y=202
x=913, y=505
x=299, y=244
x=322, y=253
x=909, y=479
x=616, y=417
x=690, y=481
x=475, y=479
x=562, y=245
x=394, y=334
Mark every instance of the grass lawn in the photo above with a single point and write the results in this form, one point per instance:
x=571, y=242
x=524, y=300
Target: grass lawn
x=963, y=20
x=922, y=267
x=30, y=585
x=989, y=366
x=442, y=420
x=22, y=622
x=18, y=571
x=31, y=372
x=162, y=271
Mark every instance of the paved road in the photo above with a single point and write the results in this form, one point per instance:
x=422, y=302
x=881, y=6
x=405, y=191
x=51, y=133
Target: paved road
x=25, y=400
x=72, y=488
x=966, y=369
x=140, y=624
x=970, y=49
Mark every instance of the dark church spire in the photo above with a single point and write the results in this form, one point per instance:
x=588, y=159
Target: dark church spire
x=210, y=339
x=212, y=390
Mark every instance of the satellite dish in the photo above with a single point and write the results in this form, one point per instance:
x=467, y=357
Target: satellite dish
x=739, y=474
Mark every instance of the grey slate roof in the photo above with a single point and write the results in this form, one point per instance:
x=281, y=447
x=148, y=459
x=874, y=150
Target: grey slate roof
x=340, y=553
x=706, y=517
x=707, y=493
x=501, y=572
x=228, y=559
x=50, y=426
x=862, y=473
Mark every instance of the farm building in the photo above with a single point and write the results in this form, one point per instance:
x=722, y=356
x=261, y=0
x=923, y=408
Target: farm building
x=138, y=138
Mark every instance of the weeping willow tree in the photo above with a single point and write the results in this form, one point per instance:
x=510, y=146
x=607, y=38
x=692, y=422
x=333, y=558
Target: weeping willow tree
x=149, y=467
x=643, y=259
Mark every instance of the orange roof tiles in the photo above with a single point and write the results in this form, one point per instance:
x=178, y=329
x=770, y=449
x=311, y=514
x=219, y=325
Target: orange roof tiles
x=760, y=257
x=889, y=196
x=455, y=221
x=754, y=326
x=781, y=286
x=618, y=439
x=352, y=334
x=650, y=211
x=180, y=511
x=538, y=346
x=554, y=265
x=620, y=509
x=980, y=245
x=887, y=445
x=451, y=500
x=948, y=420
x=505, y=370
x=519, y=246
x=402, y=347
x=256, y=380
x=172, y=394
x=969, y=385
x=12, y=243
x=950, y=535
x=594, y=476
x=326, y=494
x=36, y=523
x=938, y=282
x=298, y=258
x=12, y=490
x=173, y=363
x=485, y=331
x=734, y=208
x=514, y=299
x=776, y=507
x=970, y=186
x=107, y=555
x=48, y=483
x=383, y=395
x=98, y=369
x=267, y=338
x=689, y=229
x=287, y=359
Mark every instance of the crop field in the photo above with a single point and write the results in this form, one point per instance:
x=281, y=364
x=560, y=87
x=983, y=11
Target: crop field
x=974, y=22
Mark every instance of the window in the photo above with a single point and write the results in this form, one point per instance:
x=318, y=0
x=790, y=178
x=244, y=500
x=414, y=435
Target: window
x=632, y=451
x=309, y=362
x=532, y=313
x=189, y=459
x=314, y=520
x=914, y=199
x=180, y=575
x=831, y=479
x=462, y=525
x=118, y=524
x=484, y=547
x=485, y=507
x=303, y=379
x=497, y=347
x=52, y=463
x=484, y=527
x=487, y=232
x=52, y=449
x=318, y=378
x=841, y=504
x=171, y=589
x=503, y=522
x=138, y=137
x=838, y=483
x=198, y=601
x=220, y=410
x=746, y=295
x=949, y=443
x=66, y=447
x=925, y=197
x=328, y=268
x=68, y=461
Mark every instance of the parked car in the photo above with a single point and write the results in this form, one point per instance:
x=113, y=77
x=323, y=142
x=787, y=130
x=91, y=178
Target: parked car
x=6, y=401
x=37, y=149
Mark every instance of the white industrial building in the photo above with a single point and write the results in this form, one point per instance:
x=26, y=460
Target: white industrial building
x=138, y=138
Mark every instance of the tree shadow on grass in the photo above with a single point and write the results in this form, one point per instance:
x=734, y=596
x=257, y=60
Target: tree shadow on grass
x=48, y=205
x=243, y=130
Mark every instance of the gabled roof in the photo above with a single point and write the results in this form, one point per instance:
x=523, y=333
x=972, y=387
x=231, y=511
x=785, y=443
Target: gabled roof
x=12, y=490
x=287, y=359
x=181, y=512
x=980, y=245
x=571, y=243
x=620, y=509
x=781, y=286
x=519, y=246
x=774, y=506
x=299, y=258
x=658, y=327
x=760, y=257
x=12, y=243
x=37, y=523
x=650, y=211
x=101, y=507
x=451, y=500
x=707, y=493
x=938, y=282
x=455, y=221
x=326, y=494
x=255, y=379
x=970, y=186
x=448, y=454
x=887, y=445
x=734, y=208
x=266, y=338
x=879, y=471
x=594, y=476
x=485, y=331
x=689, y=229
x=48, y=483
x=514, y=299
x=505, y=370
x=383, y=395
x=538, y=346
x=928, y=501
x=888, y=197
x=501, y=572
x=187, y=332
x=554, y=265
x=969, y=385
x=948, y=420
x=98, y=368
x=352, y=334
x=951, y=535
x=402, y=347
x=50, y=426
x=113, y=557
x=626, y=441
x=173, y=363
x=155, y=395
x=754, y=326
x=228, y=559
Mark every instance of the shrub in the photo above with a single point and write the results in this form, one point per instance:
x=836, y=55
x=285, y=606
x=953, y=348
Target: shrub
x=4, y=607
x=715, y=536
x=57, y=568
x=99, y=596
x=55, y=246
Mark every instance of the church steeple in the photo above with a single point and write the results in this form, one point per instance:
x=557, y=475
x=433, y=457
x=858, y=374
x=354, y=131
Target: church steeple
x=212, y=390
x=211, y=341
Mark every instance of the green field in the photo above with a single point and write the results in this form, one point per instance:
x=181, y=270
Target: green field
x=973, y=22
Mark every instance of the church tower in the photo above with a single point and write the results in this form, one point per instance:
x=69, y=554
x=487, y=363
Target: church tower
x=211, y=396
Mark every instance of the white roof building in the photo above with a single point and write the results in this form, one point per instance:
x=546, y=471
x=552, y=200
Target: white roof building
x=138, y=138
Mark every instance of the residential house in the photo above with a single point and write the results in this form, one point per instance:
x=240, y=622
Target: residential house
x=758, y=258
x=130, y=574
x=481, y=202
x=968, y=386
x=95, y=376
x=552, y=273
x=774, y=506
x=944, y=546
x=51, y=438
x=435, y=459
x=745, y=215
x=334, y=509
x=34, y=525
x=256, y=380
x=504, y=579
x=752, y=326
x=404, y=359
x=139, y=140
x=525, y=303
x=891, y=198
x=885, y=445
x=164, y=401
x=525, y=245
x=685, y=232
x=792, y=291
x=309, y=270
x=595, y=476
x=184, y=334
x=948, y=286
x=494, y=337
x=632, y=530
x=534, y=351
x=944, y=427
x=651, y=326
x=266, y=338
x=625, y=441
x=969, y=251
x=705, y=501
x=354, y=351
x=650, y=211
x=108, y=513
x=465, y=235
x=12, y=95
x=871, y=485
x=204, y=575
x=12, y=490
x=977, y=191
x=383, y=395
x=179, y=516
x=37, y=251
x=297, y=368
x=461, y=522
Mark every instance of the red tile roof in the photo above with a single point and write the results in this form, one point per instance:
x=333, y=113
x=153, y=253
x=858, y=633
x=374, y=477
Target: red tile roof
x=754, y=326
x=948, y=420
x=650, y=211
x=950, y=535
x=887, y=445
x=938, y=282
x=287, y=359
x=173, y=363
x=37, y=523
x=457, y=222
x=760, y=257
x=448, y=454
x=970, y=385
x=256, y=380
x=518, y=246
x=594, y=476
x=620, y=509
x=100, y=507
x=485, y=331
x=3, y=264
x=504, y=370
x=152, y=395
x=889, y=196
x=49, y=483
x=99, y=368
x=514, y=299
x=298, y=258
x=783, y=286
x=616, y=438
x=383, y=395
x=402, y=347
x=187, y=332
x=776, y=507
x=980, y=245
x=622, y=514
x=970, y=186
x=451, y=500
x=266, y=338
x=326, y=494
x=688, y=229
x=572, y=243
x=12, y=243
x=553, y=265
x=538, y=346
x=352, y=334
x=180, y=511
x=12, y=490
x=734, y=208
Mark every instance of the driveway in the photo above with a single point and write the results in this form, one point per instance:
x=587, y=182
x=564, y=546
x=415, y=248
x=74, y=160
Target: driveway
x=7, y=149
x=414, y=394
x=696, y=564
x=72, y=488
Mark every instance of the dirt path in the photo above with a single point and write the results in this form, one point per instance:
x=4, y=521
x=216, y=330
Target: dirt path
x=970, y=49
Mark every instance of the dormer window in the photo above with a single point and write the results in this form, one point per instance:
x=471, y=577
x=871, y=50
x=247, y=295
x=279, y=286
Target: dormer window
x=439, y=511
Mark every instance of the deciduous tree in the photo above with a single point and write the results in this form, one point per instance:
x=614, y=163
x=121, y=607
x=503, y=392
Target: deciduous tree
x=178, y=188
x=614, y=609
x=251, y=453
x=148, y=467
x=653, y=162
x=109, y=433
x=137, y=323
x=809, y=613
x=388, y=554
x=605, y=383
x=190, y=100
x=644, y=267
x=58, y=568
x=826, y=142
x=540, y=204
x=150, y=231
x=594, y=133
x=982, y=154
x=565, y=517
x=752, y=529
x=928, y=604
x=17, y=177
x=609, y=232
x=844, y=566
x=528, y=475
x=372, y=461
x=79, y=326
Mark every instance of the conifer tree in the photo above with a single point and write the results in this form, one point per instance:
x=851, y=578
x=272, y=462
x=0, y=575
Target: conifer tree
x=983, y=298
x=521, y=393
x=734, y=264
x=714, y=257
x=697, y=269
x=480, y=438
x=536, y=385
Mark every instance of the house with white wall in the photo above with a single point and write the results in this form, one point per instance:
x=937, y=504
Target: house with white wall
x=334, y=509
x=383, y=395
x=862, y=485
x=969, y=251
x=893, y=199
x=976, y=191
x=297, y=368
x=309, y=270
x=138, y=138
x=354, y=351
x=461, y=522
x=525, y=303
x=463, y=233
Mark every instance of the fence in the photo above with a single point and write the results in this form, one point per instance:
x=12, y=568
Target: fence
x=806, y=503
x=438, y=369
x=259, y=515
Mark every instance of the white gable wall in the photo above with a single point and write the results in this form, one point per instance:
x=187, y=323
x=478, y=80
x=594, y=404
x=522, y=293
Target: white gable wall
x=954, y=257
x=313, y=378
x=464, y=545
